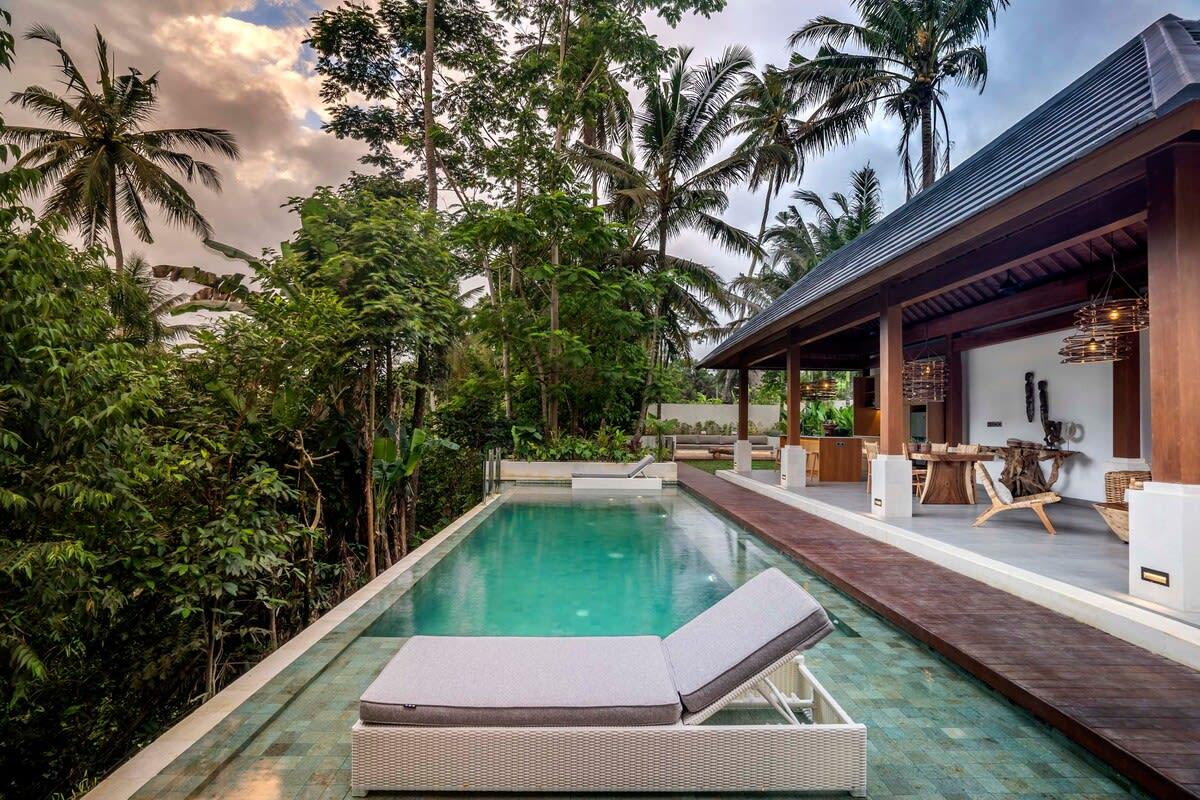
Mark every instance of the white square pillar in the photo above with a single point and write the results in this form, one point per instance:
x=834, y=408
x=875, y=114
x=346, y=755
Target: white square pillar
x=1164, y=544
x=792, y=461
x=891, y=487
x=742, y=455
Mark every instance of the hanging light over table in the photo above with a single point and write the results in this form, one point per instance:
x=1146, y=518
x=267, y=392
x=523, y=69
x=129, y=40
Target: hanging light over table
x=924, y=380
x=1106, y=324
x=823, y=388
x=1094, y=348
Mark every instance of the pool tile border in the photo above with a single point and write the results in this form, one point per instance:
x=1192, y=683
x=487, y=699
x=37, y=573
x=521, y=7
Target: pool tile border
x=156, y=757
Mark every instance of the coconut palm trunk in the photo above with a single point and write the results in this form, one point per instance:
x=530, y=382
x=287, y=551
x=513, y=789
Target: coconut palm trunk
x=114, y=228
x=430, y=156
x=928, y=157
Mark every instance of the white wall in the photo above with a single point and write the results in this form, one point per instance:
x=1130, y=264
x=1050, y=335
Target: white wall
x=763, y=415
x=1078, y=393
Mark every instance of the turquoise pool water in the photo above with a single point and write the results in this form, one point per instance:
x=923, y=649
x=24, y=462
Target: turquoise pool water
x=631, y=565
x=551, y=564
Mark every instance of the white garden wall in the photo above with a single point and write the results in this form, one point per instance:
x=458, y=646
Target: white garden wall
x=1079, y=393
x=764, y=415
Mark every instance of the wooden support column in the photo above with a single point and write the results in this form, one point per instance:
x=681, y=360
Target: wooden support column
x=955, y=421
x=1173, y=256
x=891, y=364
x=794, y=402
x=1127, y=404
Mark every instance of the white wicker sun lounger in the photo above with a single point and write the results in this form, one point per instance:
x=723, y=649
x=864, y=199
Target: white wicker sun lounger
x=633, y=478
x=615, y=714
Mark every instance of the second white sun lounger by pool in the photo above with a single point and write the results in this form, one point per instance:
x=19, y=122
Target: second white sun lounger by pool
x=615, y=714
x=633, y=478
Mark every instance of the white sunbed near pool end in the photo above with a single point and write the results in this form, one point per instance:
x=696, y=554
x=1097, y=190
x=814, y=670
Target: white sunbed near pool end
x=615, y=714
x=633, y=478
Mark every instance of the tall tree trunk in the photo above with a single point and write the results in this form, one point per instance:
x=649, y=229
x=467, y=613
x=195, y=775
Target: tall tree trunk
x=560, y=135
x=928, y=165
x=420, y=395
x=653, y=349
x=762, y=230
x=552, y=388
x=114, y=232
x=369, y=465
x=430, y=158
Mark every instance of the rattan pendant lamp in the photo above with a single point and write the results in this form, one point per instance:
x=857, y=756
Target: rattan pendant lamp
x=924, y=378
x=1106, y=324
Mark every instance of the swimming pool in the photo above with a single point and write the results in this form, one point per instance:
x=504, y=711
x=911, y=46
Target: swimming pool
x=934, y=733
x=549, y=562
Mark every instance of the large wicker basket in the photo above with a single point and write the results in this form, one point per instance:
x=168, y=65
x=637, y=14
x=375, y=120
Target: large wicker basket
x=1116, y=482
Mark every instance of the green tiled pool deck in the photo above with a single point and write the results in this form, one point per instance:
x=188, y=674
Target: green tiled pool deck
x=933, y=732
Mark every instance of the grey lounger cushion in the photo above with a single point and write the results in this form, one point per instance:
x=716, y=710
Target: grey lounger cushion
x=759, y=623
x=629, y=473
x=524, y=681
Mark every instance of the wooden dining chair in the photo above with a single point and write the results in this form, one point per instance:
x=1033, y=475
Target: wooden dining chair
x=871, y=451
x=1002, y=500
x=919, y=473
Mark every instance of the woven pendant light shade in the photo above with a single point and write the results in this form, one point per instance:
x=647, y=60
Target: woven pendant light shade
x=824, y=388
x=1094, y=348
x=924, y=380
x=1113, y=317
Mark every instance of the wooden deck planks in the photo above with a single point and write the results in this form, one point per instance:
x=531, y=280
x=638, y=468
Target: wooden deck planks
x=1137, y=711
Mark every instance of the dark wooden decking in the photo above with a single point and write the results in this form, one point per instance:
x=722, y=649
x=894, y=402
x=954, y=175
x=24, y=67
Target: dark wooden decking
x=1137, y=711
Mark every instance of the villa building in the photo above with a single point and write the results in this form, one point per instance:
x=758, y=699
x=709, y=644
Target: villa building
x=1091, y=202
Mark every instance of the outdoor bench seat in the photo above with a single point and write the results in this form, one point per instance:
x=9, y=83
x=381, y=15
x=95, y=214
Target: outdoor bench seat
x=615, y=714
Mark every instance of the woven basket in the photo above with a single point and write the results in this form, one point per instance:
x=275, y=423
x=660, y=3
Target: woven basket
x=1115, y=483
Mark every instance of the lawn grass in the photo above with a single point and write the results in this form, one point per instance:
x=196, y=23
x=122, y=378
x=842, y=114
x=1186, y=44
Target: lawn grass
x=714, y=465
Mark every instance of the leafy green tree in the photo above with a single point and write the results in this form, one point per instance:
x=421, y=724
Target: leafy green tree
x=100, y=163
x=392, y=267
x=372, y=61
x=911, y=51
x=684, y=121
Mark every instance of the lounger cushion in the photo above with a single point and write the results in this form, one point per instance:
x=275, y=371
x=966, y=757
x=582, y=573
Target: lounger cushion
x=759, y=623
x=524, y=681
x=630, y=472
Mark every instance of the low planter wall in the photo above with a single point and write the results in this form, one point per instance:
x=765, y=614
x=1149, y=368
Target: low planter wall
x=561, y=470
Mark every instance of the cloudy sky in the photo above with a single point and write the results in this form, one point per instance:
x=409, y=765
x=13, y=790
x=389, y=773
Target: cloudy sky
x=239, y=64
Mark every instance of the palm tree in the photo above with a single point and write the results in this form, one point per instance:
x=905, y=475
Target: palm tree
x=103, y=166
x=142, y=305
x=768, y=107
x=911, y=50
x=684, y=120
x=796, y=245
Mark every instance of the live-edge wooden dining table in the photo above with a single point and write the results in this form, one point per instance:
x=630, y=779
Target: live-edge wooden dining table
x=951, y=478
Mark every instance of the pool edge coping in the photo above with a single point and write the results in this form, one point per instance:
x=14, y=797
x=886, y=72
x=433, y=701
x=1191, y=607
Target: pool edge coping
x=135, y=772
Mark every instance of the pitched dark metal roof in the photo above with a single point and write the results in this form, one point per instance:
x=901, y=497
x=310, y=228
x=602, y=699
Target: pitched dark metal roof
x=1151, y=75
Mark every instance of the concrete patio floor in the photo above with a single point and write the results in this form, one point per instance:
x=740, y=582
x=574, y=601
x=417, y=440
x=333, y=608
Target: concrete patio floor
x=1084, y=553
